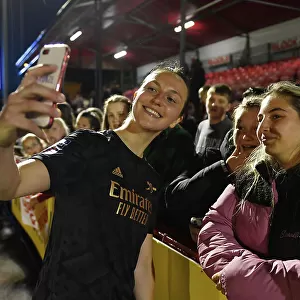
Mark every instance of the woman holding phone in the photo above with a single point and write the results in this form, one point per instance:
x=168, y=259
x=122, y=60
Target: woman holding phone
x=100, y=245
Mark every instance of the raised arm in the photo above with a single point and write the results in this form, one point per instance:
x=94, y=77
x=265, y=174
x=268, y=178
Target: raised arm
x=32, y=176
x=194, y=191
x=194, y=195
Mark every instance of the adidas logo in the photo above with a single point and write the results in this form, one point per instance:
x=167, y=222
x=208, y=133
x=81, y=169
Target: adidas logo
x=117, y=171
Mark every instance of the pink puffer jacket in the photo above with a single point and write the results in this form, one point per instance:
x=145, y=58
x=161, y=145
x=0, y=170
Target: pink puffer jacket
x=244, y=275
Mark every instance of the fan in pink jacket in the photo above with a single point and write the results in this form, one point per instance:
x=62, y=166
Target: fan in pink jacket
x=250, y=238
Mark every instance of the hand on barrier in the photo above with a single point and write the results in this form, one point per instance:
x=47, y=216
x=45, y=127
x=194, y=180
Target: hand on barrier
x=217, y=280
x=194, y=231
x=195, y=225
x=26, y=100
x=197, y=222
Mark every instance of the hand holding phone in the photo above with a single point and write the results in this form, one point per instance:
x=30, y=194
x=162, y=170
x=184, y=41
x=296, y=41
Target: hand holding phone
x=14, y=115
x=55, y=54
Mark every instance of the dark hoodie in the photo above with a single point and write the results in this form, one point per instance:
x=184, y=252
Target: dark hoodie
x=284, y=238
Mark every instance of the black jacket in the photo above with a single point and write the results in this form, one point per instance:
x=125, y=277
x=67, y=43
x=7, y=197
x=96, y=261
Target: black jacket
x=192, y=193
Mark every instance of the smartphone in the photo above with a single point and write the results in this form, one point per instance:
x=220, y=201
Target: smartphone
x=54, y=54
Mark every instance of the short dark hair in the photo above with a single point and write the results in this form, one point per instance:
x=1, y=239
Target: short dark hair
x=172, y=66
x=204, y=88
x=92, y=117
x=222, y=89
x=254, y=91
x=67, y=114
x=97, y=111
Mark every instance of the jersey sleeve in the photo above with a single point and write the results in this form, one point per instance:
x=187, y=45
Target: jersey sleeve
x=67, y=160
x=153, y=216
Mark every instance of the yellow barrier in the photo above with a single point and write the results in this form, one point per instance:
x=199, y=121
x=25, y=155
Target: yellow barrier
x=35, y=217
x=179, y=278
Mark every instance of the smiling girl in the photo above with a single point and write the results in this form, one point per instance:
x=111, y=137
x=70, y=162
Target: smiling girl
x=193, y=192
x=100, y=245
x=249, y=243
x=115, y=110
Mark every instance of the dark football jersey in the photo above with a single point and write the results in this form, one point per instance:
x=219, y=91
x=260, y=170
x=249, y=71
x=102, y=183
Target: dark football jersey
x=106, y=198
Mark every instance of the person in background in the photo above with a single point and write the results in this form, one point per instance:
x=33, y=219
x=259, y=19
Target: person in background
x=234, y=104
x=100, y=245
x=87, y=120
x=130, y=93
x=202, y=94
x=106, y=92
x=115, y=110
x=249, y=240
x=77, y=103
x=97, y=111
x=115, y=89
x=67, y=114
x=227, y=146
x=57, y=131
x=211, y=132
x=195, y=190
x=189, y=122
x=197, y=79
x=170, y=153
x=31, y=145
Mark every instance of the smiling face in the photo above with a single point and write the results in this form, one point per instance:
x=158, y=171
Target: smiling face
x=159, y=101
x=245, y=131
x=31, y=146
x=216, y=106
x=278, y=130
x=117, y=112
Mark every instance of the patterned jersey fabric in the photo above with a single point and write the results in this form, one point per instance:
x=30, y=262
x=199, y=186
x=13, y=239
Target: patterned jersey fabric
x=106, y=198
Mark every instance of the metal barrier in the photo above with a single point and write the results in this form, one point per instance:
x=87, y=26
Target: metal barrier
x=178, y=275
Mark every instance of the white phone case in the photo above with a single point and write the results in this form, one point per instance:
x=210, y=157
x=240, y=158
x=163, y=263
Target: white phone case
x=54, y=54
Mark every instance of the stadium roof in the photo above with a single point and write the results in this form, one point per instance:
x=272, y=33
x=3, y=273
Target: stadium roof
x=145, y=28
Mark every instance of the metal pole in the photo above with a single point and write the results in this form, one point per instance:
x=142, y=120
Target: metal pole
x=182, y=33
x=98, y=70
x=275, y=5
x=201, y=8
x=4, y=71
